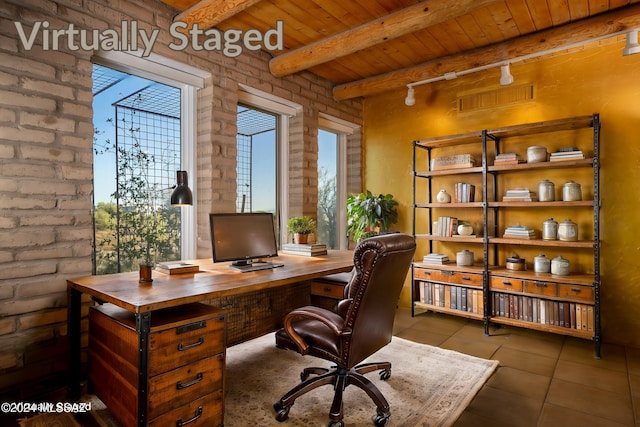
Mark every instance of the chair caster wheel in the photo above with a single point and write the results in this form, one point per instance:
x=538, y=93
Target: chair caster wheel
x=381, y=419
x=385, y=374
x=338, y=423
x=282, y=412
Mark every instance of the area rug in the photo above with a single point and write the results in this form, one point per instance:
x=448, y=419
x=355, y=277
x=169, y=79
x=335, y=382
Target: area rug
x=429, y=386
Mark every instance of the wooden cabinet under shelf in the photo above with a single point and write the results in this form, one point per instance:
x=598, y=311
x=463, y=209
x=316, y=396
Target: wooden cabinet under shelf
x=568, y=305
x=180, y=382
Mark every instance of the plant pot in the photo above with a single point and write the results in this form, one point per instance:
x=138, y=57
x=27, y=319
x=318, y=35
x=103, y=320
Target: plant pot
x=302, y=239
x=145, y=273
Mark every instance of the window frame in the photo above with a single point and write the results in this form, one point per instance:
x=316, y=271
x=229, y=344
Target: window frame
x=188, y=79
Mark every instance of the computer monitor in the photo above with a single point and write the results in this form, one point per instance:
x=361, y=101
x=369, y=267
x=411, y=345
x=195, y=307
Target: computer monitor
x=244, y=239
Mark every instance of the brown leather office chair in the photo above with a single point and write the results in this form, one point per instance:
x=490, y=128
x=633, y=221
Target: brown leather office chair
x=361, y=326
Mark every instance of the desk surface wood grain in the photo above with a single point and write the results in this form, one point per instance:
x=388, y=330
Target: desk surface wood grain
x=213, y=281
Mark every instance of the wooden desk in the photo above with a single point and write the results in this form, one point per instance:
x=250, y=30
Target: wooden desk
x=213, y=281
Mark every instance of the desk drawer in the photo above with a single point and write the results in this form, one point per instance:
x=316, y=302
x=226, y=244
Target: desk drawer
x=185, y=384
x=584, y=293
x=325, y=289
x=506, y=283
x=456, y=277
x=206, y=411
x=175, y=347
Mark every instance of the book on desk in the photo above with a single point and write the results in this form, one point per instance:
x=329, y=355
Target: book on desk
x=177, y=268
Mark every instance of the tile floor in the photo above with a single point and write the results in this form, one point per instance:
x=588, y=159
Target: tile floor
x=543, y=379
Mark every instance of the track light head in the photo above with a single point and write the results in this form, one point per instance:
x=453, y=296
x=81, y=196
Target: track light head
x=410, y=100
x=505, y=75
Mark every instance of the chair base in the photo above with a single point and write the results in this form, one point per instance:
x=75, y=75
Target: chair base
x=340, y=378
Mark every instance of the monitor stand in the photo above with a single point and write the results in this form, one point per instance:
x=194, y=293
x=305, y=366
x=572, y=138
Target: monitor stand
x=245, y=266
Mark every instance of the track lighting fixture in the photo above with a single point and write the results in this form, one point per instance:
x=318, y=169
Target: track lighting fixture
x=505, y=75
x=410, y=100
x=632, y=45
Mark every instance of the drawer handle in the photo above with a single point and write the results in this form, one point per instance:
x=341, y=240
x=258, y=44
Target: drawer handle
x=466, y=278
x=576, y=290
x=448, y=273
x=327, y=289
x=541, y=284
x=180, y=385
x=197, y=415
x=182, y=347
x=507, y=283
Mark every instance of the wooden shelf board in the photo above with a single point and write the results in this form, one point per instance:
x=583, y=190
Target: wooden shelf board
x=577, y=163
x=555, y=204
x=452, y=171
x=540, y=327
x=457, y=205
x=460, y=313
x=580, y=122
x=460, y=239
x=450, y=140
x=539, y=242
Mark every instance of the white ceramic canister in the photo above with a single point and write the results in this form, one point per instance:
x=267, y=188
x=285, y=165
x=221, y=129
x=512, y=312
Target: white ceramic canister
x=550, y=229
x=464, y=258
x=560, y=266
x=571, y=191
x=568, y=231
x=541, y=264
x=443, y=196
x=536, y=154
x=546, y=191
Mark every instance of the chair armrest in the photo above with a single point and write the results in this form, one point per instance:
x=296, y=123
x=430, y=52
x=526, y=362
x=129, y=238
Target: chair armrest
x=333, y=321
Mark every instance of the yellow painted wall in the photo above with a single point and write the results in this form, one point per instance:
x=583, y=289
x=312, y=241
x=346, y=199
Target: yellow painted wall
x=595, y=79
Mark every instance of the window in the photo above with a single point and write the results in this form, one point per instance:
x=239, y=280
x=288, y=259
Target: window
x=144, y=133
x=332, y=185
x=263, y=147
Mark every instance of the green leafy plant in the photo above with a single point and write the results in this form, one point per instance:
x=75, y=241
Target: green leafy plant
x=301, y=225
x=368, y=214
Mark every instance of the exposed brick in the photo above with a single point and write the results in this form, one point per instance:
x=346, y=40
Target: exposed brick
x=27, y=66
x=10, y=308
x=39, y=286
x=47, y=121
x=34, y=152
x=9, y=202
x=16, y=99
x=25, y=238
x=25, y=169
x=47, y=187
x=7, y=326
x=42, y=318
x=48, y=87
x=8, y=360
x=50, y=220
x=8, y=222
x=27, y=135
x=6, y=151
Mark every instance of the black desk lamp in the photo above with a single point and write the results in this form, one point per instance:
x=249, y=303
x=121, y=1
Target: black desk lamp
x=182, y=196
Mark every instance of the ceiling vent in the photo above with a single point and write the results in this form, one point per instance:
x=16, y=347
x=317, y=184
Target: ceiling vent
x=495, y=98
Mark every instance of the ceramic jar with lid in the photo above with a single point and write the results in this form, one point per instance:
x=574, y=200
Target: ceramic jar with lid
x=568, y=231
x=464, y=258
x=560, y=266
x=571, y=191
x=550, y=229
x=443, y=196
x=516, y=263
x=536, y=154
x=541, y=264
x=546, y=191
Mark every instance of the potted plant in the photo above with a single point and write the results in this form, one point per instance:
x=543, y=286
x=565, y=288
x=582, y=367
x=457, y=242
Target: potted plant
x=301, y=227
x=368, y=214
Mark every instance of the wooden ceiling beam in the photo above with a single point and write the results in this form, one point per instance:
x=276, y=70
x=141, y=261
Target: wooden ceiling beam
x=208, y=13
x=581, y=31
x=396, y=24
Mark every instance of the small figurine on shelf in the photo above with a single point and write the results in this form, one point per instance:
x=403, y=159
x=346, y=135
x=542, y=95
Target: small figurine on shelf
x=443, y=196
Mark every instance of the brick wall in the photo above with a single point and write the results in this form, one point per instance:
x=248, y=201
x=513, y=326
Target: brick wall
x=46, y=135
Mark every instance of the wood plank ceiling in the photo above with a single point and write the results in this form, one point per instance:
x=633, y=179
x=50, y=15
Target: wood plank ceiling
x=370, y=46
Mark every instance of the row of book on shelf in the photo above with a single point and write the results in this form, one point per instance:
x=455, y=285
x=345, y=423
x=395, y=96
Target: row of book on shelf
x=453, y=297
x=314, y=249
x=546, y=312
x=464, y=192
x=519, y=232
x=456, y=161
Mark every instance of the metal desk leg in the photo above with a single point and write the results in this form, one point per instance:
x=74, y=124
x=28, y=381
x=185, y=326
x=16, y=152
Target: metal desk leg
x=74, y=313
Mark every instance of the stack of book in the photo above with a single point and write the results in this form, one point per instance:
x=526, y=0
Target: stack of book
x=520, y=195
x=303, y=249
x=464, y=192
x=456, y=161
x=434, y=258
x=569, y=153
x=177, y=268
x=445, y=226
x=508, y=159
x=519, y=232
